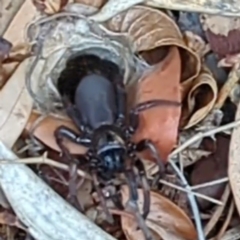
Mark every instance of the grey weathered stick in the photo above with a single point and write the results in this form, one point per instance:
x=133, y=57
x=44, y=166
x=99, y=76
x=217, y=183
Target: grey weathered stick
x=45, y=213
x=219, y=7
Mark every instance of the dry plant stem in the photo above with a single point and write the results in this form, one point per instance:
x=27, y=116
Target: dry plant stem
x=231, y=234
x=212, y=183
x=46, y=215
x=226, y=222
x=216, y=7
x=201, y=135
x=233, y=78
x=218, y=212
x=195, y=194
x=43, y=160
x=192, y=201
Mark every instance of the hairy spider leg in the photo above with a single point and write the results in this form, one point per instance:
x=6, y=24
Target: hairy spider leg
x=61, y=133
x=65, y=132
x=133, y=198
x=148, y=144
x=101, y=196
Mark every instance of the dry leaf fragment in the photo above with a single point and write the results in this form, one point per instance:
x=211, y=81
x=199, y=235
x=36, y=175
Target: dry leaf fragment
x=9, y=219
x=5, y=48
x=6, y=70
x=19, y=52
x=150, y=29
x=160, y=124
x=200, y=99
x=50, y=6
x=166, y=220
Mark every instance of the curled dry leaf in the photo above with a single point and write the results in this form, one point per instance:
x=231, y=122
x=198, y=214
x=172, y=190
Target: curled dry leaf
x=160, y=124
x=152, y=29
x=200, y=100
x=166, y=220
x=50, y=6
x=44, y=131
x=234, y=163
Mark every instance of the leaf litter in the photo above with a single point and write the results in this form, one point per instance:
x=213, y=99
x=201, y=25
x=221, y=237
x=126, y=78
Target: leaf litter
x=170, y=61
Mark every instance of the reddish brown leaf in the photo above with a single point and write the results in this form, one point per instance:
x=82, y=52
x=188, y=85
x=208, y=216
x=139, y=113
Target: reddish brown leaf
x=160, y=124
x=165, y=219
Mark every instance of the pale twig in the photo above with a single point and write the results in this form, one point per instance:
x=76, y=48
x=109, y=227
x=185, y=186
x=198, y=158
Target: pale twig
x=218, y=212
x=226, y=222
x=192, y=201
x=187, y=191
x=201, y=135
x=207, y=184
x=43, y=160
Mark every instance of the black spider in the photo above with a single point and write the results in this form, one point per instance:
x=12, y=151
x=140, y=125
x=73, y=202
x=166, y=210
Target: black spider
x=96, y=100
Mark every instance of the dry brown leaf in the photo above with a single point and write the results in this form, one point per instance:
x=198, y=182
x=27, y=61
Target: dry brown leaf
x=44, y=132
x=49, y=6
x=200, y=99
x=234, y=163
x=165, y=219
x=151, y=29
x=160, y=124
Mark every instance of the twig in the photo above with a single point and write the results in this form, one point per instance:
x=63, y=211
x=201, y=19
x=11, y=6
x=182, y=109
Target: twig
x=201, y=135
x=195, y=193
x=44, y=160
x=192, y=201
x=215, y=182
x=218, y=212
x=226, y=222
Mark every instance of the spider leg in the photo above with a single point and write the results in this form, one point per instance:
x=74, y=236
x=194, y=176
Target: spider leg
x=148, y=144
x=65, y=132
x=101, y=196
x=132, y=205
x=67, y=157
x=145, y=186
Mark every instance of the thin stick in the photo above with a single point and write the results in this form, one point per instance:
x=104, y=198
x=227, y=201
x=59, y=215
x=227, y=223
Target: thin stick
x=43, y=160
x=218, y=212
x=196, y=194
x=215, y=182
x=201, y=135
x=226, y=222
x=192, y=201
